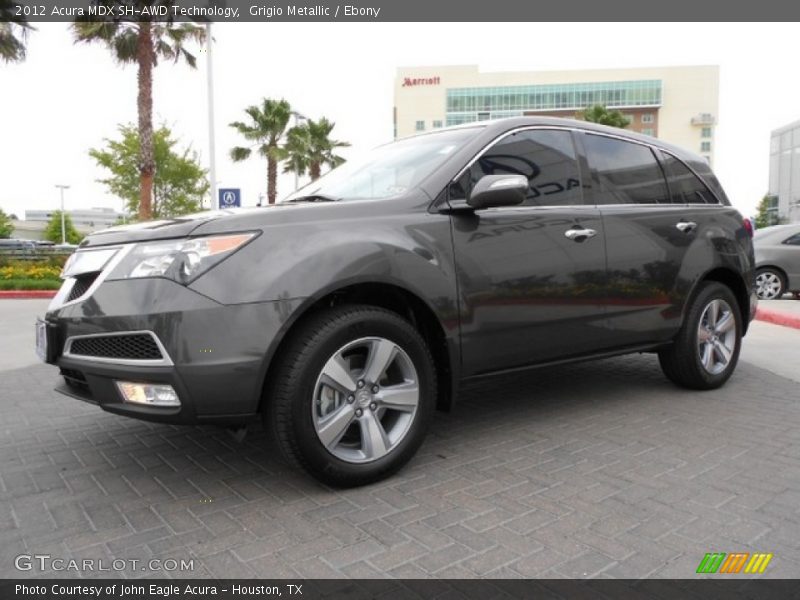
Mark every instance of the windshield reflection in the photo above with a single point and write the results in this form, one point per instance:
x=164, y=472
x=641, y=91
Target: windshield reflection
x=387, y=171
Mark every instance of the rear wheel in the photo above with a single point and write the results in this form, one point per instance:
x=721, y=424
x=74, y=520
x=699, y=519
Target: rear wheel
x=770, y=284
x=352, y=396
x=705, y=352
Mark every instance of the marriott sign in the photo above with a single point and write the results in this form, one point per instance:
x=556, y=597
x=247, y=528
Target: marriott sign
x=415, y=81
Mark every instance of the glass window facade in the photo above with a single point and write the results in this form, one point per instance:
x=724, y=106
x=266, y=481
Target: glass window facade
x=648, y=131
x=437, y=124
x=705, y=132
x=465, y=104
x=705, y=146
x=784, y=172
x=648, y=118
x=419, y=126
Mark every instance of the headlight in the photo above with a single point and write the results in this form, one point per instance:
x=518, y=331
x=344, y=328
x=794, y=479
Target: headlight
x=87, y=261
x=180, y=260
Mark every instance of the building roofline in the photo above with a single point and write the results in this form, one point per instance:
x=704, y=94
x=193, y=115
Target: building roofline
x=784, y=128
x=480, y=71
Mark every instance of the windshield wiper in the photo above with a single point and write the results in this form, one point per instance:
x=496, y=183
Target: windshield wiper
x=315, y=198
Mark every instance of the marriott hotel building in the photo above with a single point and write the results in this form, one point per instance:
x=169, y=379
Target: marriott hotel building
x=676, y=104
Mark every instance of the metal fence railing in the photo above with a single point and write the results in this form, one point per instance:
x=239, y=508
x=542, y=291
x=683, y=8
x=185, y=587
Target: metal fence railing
x=42, y=253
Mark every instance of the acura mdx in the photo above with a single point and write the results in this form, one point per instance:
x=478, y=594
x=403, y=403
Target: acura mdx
x=345, y=315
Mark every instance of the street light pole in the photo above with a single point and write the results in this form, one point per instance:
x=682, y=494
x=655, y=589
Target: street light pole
x=212, y=160
x=297, y=116
x=63, y=218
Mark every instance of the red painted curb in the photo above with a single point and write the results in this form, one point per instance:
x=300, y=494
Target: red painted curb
x=21, y=294
x=778, y=318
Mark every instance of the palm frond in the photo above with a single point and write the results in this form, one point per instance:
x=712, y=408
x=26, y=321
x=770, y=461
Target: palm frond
x=125, y=44
x=88, y=31
x=190, y=58
x=239, y=154
x=12, y=48
x=13, y=32
x=248, y=132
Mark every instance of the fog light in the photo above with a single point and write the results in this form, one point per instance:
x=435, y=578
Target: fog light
x=148, y=394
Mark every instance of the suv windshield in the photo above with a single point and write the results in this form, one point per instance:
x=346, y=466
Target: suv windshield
x=388, y=170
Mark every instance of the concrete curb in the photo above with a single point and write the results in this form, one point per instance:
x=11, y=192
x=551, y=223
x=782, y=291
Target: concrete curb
x=778, y=318
x=22, y=294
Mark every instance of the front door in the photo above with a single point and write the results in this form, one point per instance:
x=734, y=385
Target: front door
x=531, y=277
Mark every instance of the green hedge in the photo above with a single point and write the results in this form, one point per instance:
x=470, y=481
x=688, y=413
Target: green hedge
x=30, y=284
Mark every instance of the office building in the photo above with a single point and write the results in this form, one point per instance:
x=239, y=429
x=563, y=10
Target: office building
x=676, y=104
x=784, y=173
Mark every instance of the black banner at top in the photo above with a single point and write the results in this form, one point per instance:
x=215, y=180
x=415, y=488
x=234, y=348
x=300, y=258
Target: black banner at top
x=235, y=11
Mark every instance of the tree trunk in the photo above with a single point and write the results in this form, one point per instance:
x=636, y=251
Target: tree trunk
x=147, y=166
x=314, y=169
x=272, y=179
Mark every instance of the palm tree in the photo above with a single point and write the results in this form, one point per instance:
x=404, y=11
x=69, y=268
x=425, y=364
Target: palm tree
x=13, y=32
x=267, y=126
x=309, y=148
x=143, y=43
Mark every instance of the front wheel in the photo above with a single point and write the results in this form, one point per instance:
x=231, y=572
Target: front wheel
x=352, y=396
x=705, y=352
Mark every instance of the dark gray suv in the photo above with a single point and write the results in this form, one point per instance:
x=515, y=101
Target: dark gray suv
x=346, y=315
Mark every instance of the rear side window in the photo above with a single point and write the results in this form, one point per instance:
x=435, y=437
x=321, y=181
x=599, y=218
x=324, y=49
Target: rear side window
x=545, y=157
x=794, y=240
x=624, y=172
x=685, y=187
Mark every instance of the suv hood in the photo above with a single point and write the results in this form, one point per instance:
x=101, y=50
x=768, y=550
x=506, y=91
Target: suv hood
x=161, y=230
x=239, y=219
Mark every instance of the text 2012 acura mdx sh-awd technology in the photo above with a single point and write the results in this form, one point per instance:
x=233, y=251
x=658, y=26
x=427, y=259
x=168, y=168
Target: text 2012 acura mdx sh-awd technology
x=347, y=314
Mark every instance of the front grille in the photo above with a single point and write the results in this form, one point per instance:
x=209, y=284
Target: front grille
x=81, y=286
x=136, y=346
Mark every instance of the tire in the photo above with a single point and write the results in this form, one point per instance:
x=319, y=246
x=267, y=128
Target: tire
x=770, y=283
x=322, y=417
x=703, y=357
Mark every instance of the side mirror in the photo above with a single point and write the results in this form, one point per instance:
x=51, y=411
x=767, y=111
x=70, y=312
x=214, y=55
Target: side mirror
x=498, y=190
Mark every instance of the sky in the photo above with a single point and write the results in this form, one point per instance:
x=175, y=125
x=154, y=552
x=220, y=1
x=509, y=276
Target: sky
x=66, y=98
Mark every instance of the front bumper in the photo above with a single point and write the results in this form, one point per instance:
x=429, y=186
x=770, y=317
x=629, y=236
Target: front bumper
x=216, y=355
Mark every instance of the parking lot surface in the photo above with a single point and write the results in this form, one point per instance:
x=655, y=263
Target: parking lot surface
x=600, y=469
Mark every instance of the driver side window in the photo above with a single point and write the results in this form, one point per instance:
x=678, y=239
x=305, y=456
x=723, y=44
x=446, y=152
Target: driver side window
x=546, y=157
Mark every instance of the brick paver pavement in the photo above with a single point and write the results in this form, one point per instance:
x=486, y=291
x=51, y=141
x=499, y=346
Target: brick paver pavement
x=599, y=469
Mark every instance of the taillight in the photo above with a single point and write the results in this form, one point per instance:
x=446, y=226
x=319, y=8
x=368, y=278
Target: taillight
x=748, y=225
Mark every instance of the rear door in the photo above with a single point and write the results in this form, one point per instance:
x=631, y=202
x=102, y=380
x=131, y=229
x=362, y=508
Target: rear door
x=650, y=228
x=530, y=277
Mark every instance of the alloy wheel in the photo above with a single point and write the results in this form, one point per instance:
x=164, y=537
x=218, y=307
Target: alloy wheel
x=716, y=336
x=365, y=400
x=768, y=285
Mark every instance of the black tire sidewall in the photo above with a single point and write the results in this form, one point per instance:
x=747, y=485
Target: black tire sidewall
x=375, y=323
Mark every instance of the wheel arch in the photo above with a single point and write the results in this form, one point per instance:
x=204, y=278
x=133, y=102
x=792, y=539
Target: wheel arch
x=735, y=282
x=389, y=296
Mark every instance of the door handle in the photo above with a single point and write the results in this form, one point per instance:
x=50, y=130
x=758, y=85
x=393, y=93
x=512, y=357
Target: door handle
x=580, y=235
x=686, y=226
